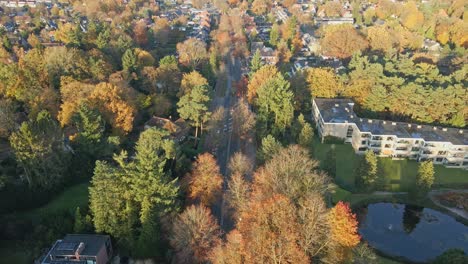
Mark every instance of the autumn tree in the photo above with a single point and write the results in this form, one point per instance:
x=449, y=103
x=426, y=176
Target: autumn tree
x=366, y=171
x=238, y=193
x=39, y=149
x=193, y=106
x=381, y=38
x=140, y=32
x=243, y=118
x=258, y=79
x=274, y=35
x=194, y=233
x=292, y=173
x=240, y=163
x=344, y=232
x=205, y=180
x=332, y=9
x=411, y=17
x=230, y=252
x=192, y=52
x=270, y=232
x=168, y=75
x=323, y=82
x=115, y=104
x=260, y=7
x=189, y=81
x=342, y=41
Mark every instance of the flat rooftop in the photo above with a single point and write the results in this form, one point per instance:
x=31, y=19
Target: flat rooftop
x=341, y=111
x=69, y=244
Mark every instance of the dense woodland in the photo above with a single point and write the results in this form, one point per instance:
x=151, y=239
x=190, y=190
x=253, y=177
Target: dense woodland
x=75, y=112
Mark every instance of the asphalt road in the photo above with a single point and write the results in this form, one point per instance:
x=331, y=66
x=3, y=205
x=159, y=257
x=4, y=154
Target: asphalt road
x=228, y=142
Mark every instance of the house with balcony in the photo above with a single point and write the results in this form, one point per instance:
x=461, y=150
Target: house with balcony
x=446, y=146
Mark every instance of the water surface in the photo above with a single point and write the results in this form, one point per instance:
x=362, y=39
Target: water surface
x=415, y=233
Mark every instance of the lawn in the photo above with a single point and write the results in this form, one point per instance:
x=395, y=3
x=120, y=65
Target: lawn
x=67, y=201
x=395, y=175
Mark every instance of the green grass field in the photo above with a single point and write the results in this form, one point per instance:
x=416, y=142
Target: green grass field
x=395, y=175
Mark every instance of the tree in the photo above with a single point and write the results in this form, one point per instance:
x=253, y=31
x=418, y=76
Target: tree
x=323, y=82
x=411, y=17
x=243, y=118
x=205, y=180
x=270, y=232
x=39, y=148
x=291, y=173
x=332, y=9
x=194, y=233
x=256, y=62
x=128, y=200
x=140, y=32
x=381, y=38
x=275, y=104
x=344, y=231
x=7, y=117
x=129, y=61
x=258, y=79
x=274, y=35
x=425, y=177
x=306, y=135
x=270, y=146
x=452, y=256
x=192, y=52
x=116, y=105
x=366, y=172
x=238, y=192
x=239, y=163
x=342, y=41
x=261, y=7
x=330, y=162
x=231, y=252
x=189, y=81
x=193, y=106
x=364, y=254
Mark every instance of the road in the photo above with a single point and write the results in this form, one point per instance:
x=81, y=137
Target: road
x=228, y=141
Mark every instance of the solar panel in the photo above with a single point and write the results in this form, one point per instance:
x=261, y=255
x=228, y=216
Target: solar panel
x=67, y=246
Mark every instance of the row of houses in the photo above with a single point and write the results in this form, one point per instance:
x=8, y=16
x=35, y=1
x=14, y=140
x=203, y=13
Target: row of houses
x=19, y=3
x=445, y=146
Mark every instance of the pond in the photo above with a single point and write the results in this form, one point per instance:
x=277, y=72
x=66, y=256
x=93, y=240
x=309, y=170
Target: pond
x=415, y=233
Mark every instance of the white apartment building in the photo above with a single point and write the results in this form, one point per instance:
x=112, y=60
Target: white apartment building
x=447, y=146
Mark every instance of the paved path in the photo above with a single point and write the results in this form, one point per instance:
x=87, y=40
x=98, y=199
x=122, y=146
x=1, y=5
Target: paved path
x=460, y=212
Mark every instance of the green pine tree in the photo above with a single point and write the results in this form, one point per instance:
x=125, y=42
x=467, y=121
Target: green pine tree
x=256, y=62
x=129, y=60
x=366, y=173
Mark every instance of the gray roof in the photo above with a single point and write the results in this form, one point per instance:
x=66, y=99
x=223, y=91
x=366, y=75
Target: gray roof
x=68, y=246
x=341, y=111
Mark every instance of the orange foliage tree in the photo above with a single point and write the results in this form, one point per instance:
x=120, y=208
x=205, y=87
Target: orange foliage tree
x=270, y=232
x=259, y=78
x=205, y=180
x=343, y=227
x=342, y=41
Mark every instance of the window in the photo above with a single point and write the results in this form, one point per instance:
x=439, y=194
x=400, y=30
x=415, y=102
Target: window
x=90, y=262
x=414, y=149
x=439, y=159
x=388, y=146
x=364, y=142
x=362, y=149
x=442, y=153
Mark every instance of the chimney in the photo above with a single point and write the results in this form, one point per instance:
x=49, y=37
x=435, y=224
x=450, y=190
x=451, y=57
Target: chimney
x=393, y=124
x=444, y=129
x=80, y=249
x=461, y=131
x=419, y=126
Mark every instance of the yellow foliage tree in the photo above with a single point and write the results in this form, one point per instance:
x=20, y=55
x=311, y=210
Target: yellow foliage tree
x=189, y=81
x=323, y=82
x=258, y=79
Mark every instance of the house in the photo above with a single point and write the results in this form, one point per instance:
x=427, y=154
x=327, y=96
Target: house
x=178, y=129
x=80, y=249
x=446, y=146
x=267, y=54
x=319, y=21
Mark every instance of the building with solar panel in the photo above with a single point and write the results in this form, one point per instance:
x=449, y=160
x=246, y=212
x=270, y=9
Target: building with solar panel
x=80, y=249
x=441, y=145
